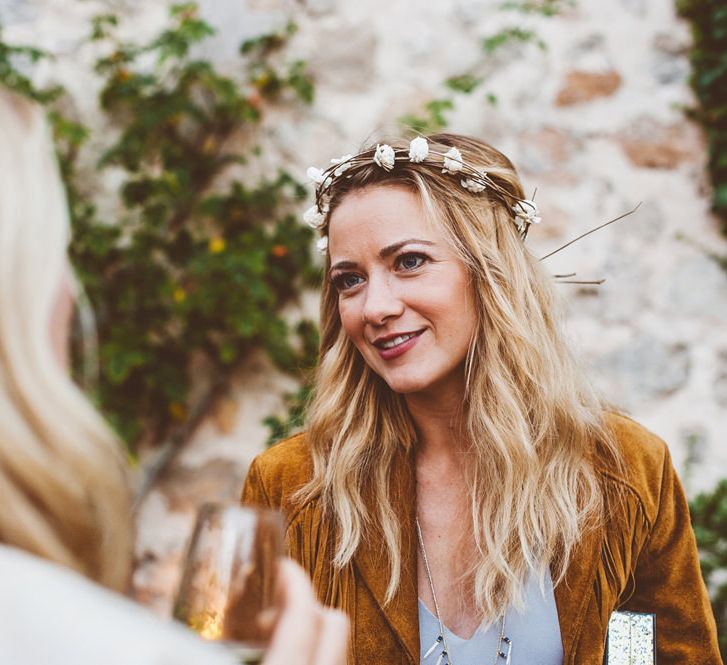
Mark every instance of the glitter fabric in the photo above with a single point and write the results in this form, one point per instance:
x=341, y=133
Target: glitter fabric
x=631, y=639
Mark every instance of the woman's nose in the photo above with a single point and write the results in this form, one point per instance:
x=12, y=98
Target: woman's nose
x=381, y=303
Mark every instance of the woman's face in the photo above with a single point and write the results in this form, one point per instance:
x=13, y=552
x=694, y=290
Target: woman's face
x=404, y=296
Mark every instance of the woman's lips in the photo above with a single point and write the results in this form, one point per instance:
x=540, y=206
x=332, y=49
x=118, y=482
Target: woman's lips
x=398, y=349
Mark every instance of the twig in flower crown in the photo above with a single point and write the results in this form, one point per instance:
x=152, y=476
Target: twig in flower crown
x=593, y=230
x=591, y=282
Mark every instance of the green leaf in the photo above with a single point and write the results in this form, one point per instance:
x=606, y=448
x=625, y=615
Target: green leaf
x=542, y=7
x=465, y=83
x=434, y=119
x=120, y=362
x=300, y=80
x=101, y=26
x=508, y=36
x=269, y=42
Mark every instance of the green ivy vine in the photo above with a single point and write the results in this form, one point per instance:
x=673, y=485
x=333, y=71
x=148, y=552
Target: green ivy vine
x=709, y=81
x=194, y=273
x=709, y=519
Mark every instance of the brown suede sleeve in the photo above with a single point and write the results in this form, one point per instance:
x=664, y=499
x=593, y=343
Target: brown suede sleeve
x=253, y=490
x=669, y=582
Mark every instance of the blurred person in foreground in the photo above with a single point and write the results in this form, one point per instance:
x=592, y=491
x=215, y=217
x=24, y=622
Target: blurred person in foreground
x=460, y=491
x=66, y=532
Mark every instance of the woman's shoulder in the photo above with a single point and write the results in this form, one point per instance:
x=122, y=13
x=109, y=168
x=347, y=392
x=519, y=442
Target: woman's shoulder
x=639, y=446
x=278, y=472
x=646, y=464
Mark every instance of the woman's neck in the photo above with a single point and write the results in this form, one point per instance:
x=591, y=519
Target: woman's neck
x=439, y=425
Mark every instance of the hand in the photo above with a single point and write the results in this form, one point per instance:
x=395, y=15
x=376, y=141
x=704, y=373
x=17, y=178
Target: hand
x=306, y=633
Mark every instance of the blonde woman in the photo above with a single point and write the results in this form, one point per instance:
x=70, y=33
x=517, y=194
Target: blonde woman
x=460, y=491
x=65, y=526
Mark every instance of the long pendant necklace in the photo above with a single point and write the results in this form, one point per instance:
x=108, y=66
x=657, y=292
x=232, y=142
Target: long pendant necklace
x=501, y=651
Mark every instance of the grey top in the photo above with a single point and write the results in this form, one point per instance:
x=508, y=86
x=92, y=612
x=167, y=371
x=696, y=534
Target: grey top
x=534, y=634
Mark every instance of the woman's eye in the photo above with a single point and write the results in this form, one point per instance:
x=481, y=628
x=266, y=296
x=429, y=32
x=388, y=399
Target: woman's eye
x=346, y=281
x=410, y=261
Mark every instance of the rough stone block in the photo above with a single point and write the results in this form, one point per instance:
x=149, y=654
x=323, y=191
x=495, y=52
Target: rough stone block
x=580, y=87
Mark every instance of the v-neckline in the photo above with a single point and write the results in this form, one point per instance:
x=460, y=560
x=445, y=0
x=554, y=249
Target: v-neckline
x=451, y=632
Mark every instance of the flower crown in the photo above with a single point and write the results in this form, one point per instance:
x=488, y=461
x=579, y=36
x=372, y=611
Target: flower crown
x=525, y=212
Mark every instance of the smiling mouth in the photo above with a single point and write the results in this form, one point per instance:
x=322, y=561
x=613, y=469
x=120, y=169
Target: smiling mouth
x=395, y=341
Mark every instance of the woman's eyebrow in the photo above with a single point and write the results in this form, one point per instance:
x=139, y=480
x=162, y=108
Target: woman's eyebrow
x=384, y=253
x=343, y=265
x=390, y=249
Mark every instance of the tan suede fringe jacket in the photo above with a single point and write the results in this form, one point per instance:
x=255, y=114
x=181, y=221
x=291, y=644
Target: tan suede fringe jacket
x=644, y=561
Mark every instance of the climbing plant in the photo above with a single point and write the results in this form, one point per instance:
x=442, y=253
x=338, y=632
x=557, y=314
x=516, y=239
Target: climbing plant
x=709, y=519
x=708, y=58
x=204, y=253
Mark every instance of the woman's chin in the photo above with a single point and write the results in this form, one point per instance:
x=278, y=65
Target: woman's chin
x=445, y=389
x=408, y=385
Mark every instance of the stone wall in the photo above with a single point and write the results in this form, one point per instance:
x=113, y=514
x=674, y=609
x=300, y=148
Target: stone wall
x=595, y=122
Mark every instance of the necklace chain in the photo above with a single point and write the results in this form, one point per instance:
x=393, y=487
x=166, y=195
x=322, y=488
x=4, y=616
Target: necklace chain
x=434, y=595
x=442, y=638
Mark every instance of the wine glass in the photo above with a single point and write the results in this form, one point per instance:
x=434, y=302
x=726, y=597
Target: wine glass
x=228, y=578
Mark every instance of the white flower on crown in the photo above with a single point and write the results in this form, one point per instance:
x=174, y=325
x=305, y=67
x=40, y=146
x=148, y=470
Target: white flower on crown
x=385, y=156
x=344, y=163
x=316, y=175
x=474, y=186
x=452, y=161
x=527, y=212
x=418, y=149
x=322, y=244
x=314, y=218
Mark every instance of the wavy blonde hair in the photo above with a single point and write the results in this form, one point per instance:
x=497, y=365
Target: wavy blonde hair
x=531, y=422
x=63, y=487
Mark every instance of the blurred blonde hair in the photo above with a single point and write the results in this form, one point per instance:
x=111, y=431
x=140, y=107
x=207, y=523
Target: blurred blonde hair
x=531, y=423
x=63, y=487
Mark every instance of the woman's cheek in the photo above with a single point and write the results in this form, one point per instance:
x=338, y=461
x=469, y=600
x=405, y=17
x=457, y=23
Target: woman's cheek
x=348, y=319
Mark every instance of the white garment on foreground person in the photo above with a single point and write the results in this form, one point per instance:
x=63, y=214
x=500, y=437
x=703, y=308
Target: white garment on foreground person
x=49, y=614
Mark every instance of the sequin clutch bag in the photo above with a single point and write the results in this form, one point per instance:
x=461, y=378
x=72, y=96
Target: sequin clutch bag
x=631, y=639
